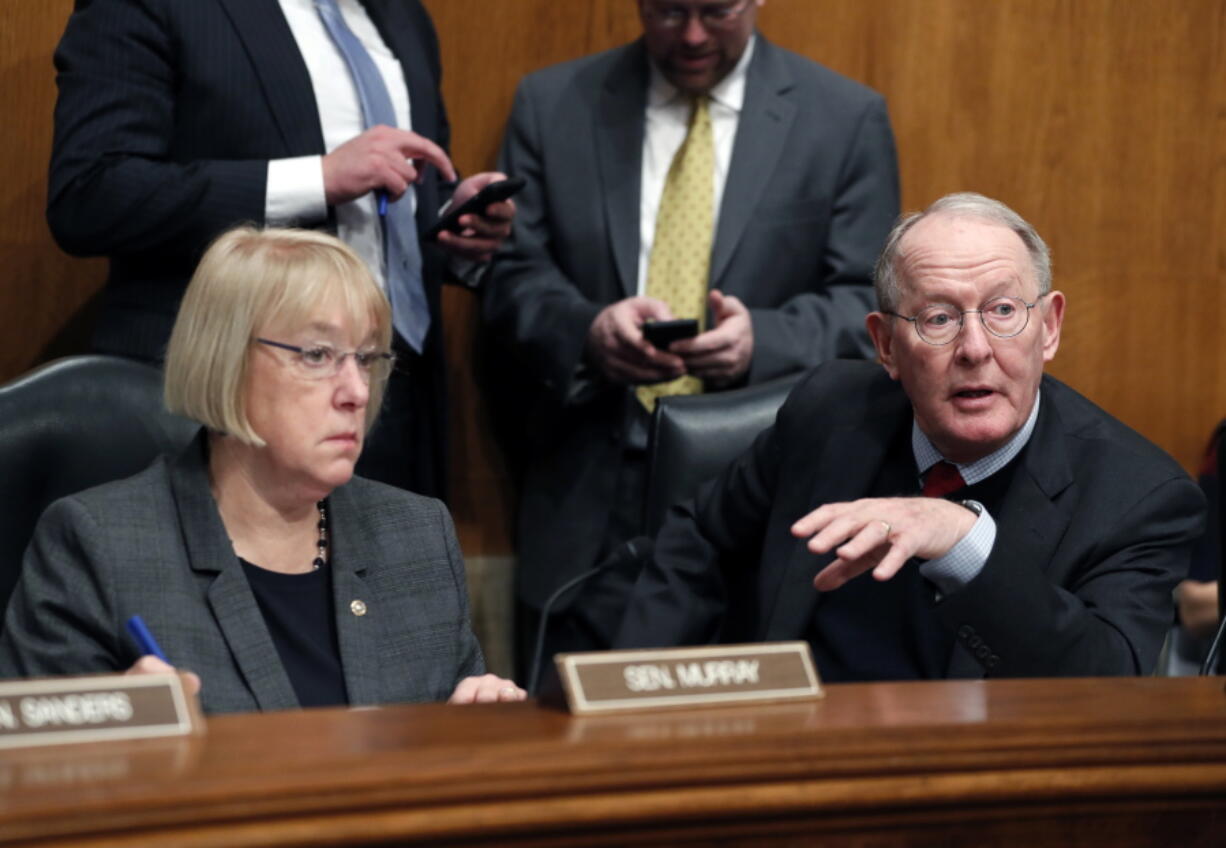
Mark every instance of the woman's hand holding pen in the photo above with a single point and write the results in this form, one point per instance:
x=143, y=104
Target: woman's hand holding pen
x=150, y=664
x=153, y=660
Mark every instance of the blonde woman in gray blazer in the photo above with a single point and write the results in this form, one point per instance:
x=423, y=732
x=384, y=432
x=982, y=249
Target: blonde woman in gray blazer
x=258, y=560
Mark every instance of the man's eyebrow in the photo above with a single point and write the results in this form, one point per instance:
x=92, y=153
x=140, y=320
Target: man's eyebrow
x=1007, y=285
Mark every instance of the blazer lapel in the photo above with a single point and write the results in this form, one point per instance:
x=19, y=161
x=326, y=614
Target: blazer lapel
x=855, y=454
x=619, y=131
x=357, y=612
x=230, y=597
x=762, y=131
x=284, y=79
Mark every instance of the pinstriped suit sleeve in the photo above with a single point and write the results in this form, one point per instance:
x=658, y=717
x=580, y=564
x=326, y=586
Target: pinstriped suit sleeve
x=114, y=187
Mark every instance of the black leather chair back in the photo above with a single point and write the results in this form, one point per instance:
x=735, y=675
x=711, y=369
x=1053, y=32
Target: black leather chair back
x=693, y=437
x=69, y=425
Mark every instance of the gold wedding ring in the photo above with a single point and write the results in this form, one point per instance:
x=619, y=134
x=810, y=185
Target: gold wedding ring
x=886, y=525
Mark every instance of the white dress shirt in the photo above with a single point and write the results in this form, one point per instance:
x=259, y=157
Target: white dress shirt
x=668, y=118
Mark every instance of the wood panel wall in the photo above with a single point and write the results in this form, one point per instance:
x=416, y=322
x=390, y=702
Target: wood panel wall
x=1102, y=122
x=43, y=292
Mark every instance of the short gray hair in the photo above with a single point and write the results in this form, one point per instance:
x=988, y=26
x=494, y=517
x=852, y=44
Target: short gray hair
x=961, y=205
x=247, y=278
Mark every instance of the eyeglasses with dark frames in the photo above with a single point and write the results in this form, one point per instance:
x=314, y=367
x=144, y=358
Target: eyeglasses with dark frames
x=712, y=15
x=323, y=361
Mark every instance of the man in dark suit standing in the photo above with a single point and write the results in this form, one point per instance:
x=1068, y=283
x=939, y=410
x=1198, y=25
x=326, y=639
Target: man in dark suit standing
x=699, y=172
x=176, y=121
x=957, y=512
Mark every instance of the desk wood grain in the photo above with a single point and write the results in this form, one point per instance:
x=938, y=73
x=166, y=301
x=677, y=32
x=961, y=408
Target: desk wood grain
x=1086, y=762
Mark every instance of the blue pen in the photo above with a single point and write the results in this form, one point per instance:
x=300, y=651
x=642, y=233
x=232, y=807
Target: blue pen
x=144, y=639
x=382, y=204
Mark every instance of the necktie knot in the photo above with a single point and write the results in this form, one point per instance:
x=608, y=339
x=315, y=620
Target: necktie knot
x=700, y=111
x=942, y=479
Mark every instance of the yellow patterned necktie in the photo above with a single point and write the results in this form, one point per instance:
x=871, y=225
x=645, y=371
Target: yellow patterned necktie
x=681, y=252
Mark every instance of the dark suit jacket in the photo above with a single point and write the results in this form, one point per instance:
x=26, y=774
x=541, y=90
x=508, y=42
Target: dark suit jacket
x=154, y=545
x=810, y=196
x=1093, y=533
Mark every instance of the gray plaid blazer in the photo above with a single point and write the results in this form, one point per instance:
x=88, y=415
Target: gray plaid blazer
x=154, y=545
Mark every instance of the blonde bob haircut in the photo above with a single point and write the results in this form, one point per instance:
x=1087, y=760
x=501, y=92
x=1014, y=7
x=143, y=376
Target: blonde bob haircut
x=249, y=280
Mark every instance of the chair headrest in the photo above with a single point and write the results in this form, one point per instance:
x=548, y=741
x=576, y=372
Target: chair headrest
x=694, y=437
x=70, y=425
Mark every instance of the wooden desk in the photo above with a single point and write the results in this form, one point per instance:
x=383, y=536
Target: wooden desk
x=1039, y=762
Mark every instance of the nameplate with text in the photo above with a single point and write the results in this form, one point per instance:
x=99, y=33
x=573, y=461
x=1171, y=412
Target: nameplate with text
x=618, y=681
x=96, y=708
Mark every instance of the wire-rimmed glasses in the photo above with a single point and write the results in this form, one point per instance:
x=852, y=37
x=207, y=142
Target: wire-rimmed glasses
x=712, y=15
x=323, y=361
x=941, y=323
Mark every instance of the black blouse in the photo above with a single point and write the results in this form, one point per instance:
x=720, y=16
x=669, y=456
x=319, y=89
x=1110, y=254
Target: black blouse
x=298, y=610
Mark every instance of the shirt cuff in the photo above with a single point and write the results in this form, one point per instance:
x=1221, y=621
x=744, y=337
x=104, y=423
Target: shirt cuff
x=295, y=191
x=962, y=563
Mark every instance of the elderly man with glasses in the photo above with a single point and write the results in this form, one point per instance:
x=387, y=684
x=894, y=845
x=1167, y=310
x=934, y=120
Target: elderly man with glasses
x=949, y=512
x=698, y=173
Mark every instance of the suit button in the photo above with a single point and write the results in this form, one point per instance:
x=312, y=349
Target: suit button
x=965, y=632
x=358, y=608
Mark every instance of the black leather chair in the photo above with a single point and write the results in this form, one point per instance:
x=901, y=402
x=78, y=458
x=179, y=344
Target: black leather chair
x=693, y=437
x=69, y=425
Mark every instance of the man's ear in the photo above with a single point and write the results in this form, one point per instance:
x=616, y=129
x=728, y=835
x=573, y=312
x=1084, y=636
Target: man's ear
x=1053, y=320
x=881, y=331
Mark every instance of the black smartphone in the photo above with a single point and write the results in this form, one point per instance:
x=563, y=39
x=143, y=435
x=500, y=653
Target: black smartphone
x=492, y=193
x=663, y=333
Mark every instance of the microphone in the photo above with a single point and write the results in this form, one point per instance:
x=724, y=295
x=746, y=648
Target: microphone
x=628, y=553
x=1210, y=663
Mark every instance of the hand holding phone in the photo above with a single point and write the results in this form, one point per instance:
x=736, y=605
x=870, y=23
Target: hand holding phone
x=495, y=192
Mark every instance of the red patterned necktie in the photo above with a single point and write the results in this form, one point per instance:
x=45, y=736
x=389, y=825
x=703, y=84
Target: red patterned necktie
x=942, y=479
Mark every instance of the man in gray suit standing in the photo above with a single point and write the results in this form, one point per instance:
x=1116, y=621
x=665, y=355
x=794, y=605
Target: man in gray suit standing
x=699, y=171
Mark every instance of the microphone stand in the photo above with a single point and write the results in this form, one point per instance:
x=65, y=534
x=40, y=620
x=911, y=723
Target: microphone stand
x=629, y=552
x=1209, y=665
